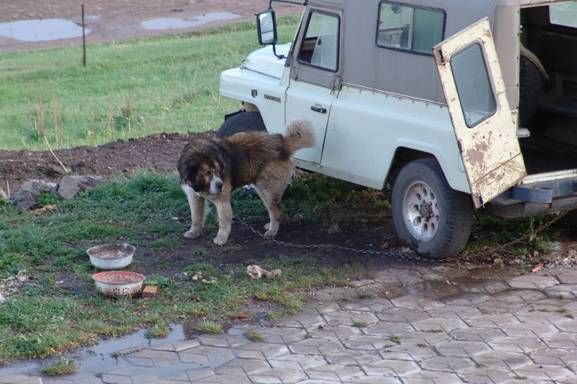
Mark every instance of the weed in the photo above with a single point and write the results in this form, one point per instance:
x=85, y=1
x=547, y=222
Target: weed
x=157, y=331
x=365, y=294
x=395, y=339
x=254, y=336
x=60, y=368
x=360, y=324
x=209, y=327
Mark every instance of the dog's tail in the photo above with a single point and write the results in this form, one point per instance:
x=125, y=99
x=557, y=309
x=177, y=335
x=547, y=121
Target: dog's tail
x=299, y=134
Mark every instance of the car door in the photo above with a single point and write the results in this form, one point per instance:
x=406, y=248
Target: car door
x=485, y=127
x=315, y=74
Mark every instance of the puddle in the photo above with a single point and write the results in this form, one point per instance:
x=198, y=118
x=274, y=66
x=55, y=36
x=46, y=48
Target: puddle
x=178, y=23
x=101, y=356
x=41, y=30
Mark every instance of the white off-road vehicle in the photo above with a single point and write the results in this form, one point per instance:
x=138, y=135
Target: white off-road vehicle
x=456, y=104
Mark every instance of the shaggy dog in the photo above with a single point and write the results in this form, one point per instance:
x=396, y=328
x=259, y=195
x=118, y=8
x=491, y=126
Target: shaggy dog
x=210, y=169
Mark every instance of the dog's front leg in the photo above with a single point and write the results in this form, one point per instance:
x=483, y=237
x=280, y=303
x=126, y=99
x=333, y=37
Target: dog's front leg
x=196, y=203
x=224, y=211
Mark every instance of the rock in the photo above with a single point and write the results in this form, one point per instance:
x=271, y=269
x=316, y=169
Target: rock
x=70, y=185
x=26, y=196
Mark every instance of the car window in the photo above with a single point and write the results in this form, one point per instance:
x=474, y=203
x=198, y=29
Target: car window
x=473, y=85
x=410, y=28
x=320, y=47
x=564, y=14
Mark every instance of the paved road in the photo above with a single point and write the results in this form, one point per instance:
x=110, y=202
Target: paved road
x=410, y=325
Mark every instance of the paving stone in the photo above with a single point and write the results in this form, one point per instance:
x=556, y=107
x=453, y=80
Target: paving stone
x=522, y=344
x=370, y=380
x=116, y=379
x=530, y=329
x=399, y=368
x=207, y=356
x=20, y=379
x=447, y=363
x=462, y=348
x=386, y=328
x=502, y=360
x=278, y=375
x=477, y=334
x=336, y=372
x=415, y=302
x=223, y=379
x=367, y=343
x=432, y=377
x=270, y=351
x=486, y=376
x=568, y=277
x=316, y=347
x=402, y=315
x=543, y=372
x=439, y=324
x=533, y=281
x=250, y=366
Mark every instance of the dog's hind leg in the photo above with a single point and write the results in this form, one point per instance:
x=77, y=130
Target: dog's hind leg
x=271, y=201
x=224, y=211
x=196, y=203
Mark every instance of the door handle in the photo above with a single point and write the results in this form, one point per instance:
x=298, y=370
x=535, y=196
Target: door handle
x=318, y=109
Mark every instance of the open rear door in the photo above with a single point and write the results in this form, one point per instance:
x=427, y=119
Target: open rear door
x=484, y=124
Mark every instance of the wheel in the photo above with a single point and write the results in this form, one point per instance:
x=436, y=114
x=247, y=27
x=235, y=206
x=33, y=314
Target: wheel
x=434, y=219
x=241, y=122
x=531, y=90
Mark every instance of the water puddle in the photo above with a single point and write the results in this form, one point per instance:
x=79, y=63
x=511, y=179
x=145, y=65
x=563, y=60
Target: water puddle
x=41, y=30
x=102, y=355
x=178, y=23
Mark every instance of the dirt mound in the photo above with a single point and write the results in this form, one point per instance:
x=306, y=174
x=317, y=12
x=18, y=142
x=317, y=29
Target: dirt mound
x=157, y=152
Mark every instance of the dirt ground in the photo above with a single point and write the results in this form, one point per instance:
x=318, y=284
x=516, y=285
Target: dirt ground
x=157, y=152
x=121, y=19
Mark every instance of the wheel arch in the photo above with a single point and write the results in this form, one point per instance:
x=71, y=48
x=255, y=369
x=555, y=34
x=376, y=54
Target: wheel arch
x=404, y=154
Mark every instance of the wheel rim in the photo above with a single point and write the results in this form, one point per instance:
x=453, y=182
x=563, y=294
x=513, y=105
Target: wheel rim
x=421, y=211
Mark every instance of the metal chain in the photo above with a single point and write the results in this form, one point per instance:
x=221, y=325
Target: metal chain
x=402, y=256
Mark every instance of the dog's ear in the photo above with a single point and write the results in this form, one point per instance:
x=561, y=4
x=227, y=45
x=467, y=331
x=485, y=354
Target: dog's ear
x=187, y=171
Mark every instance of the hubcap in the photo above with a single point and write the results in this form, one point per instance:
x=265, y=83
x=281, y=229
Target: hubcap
x=421, y=211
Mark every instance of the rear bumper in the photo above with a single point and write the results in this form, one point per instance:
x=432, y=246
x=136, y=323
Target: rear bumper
x=550, y=192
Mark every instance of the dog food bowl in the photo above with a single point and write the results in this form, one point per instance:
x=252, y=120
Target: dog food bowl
x=118, y=283
x=111, y=256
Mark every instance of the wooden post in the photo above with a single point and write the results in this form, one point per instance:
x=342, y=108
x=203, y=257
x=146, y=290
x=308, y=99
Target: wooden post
x=83, y=37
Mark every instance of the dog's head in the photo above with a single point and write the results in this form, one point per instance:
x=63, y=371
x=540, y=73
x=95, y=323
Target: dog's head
x=203, y=169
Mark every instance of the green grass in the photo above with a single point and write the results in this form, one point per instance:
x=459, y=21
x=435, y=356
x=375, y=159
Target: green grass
x=209, y=327
x=254, y=335
x=59, y=310
x=128, y=89
x=60, y=368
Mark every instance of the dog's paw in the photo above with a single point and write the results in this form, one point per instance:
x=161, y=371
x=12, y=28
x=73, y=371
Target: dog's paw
x=193, y=234
x=267, y=226
x=270, y=234
x=220, y=240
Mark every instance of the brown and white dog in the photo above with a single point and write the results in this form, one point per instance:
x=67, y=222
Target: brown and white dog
x=211, y=169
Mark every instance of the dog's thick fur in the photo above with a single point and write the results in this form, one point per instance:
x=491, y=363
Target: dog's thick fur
x=210, y=169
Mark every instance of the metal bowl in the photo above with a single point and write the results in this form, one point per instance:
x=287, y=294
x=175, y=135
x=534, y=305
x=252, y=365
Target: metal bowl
x=111, y=256
x=118, y=283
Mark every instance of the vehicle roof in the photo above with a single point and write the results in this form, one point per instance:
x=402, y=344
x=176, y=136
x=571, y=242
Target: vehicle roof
x=461, y=3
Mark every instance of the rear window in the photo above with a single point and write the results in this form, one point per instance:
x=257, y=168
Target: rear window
x=409, y=28
x=564, y=14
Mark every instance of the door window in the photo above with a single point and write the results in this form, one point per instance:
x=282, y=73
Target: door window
x=473, y=85
x=564, y=14
x=320, y=47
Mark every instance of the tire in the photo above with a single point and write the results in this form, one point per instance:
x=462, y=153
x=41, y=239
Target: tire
x=241, y=122
x=531, y=90
x=444, y=233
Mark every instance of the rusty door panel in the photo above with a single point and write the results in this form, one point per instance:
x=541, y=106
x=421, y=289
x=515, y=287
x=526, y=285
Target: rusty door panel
x=490, y=149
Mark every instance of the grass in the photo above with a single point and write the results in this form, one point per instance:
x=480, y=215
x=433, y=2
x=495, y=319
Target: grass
x=254, y=336
x=60, y=368
x=129, y=88
x=209, y=327
x=58, y=310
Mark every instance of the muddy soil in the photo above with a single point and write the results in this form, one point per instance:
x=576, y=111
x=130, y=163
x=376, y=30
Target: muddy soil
x=157, y=152
x=110, y=20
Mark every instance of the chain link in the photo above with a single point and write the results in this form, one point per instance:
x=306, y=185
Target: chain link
x=399, y=255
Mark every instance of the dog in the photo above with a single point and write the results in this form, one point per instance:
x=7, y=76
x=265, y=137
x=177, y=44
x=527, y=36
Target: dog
x=211, y=169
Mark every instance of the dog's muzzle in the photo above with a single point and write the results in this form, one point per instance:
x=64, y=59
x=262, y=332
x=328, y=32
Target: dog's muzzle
x=216, y=185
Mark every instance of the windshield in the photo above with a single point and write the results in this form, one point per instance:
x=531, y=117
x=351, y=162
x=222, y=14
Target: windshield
x=564, y=14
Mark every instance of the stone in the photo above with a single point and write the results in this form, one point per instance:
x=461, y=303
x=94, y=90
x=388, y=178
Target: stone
x=70, y=186
x=26, y=197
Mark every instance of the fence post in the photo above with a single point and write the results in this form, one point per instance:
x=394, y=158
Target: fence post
x=83, y=37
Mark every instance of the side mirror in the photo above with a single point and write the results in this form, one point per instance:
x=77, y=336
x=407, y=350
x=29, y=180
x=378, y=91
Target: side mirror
x=266, y=26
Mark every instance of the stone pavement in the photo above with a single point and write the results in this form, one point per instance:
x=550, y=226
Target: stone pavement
x=407, y=325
